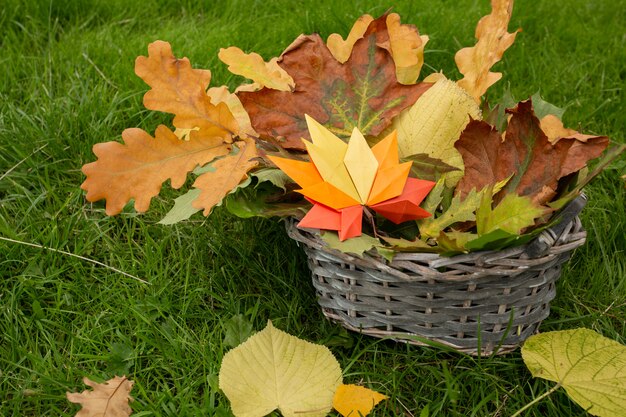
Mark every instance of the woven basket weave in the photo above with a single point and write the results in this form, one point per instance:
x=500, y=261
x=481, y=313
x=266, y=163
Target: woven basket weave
x=479, y=303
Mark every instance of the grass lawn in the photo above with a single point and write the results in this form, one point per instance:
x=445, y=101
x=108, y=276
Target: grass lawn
x=67, y=82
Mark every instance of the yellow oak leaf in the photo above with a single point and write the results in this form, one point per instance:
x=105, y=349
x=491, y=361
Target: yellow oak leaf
x=252, y=66
x=354, y=400
x=137, y=168
x=407, y=49
x=434, y=123
x=109, y=399
x=341, y=49
x=275, y=370
x=553, y=127
x=178, y=89
x=228, y=172
x=222, y=95
x=493, y=39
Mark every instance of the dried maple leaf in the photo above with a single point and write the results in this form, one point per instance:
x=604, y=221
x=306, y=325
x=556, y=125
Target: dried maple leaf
x=181, y=90
x=363, y=92
x=526, y=153
x=493, y=39
x=227, y=174
x=137, y=168
x=253, y=67
x=109, y=399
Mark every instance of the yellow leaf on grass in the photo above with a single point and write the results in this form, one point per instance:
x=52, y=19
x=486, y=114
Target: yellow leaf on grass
x=434, y=123
x=341, y=49
x=181, y=90
x=354, y=400
x=109, y=399
x=252, y=66
x=227, y=174
x=590, y=367
x=553, y=127
x=274, y=370
x=493, y=39
x=407, y=49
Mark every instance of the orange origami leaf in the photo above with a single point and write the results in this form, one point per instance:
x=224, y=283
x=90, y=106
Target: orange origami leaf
x=328, y=195
x=341, y=49
x=228, y=173
x=354, y=400
x=181, y=90
x=303, y=173
x=407, y=49
x=493, y=39
x=109, y=399
x=253, y=67
x=137, y=168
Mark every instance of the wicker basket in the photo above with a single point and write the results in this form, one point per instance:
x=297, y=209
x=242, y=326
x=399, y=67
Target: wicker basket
x=479, y=303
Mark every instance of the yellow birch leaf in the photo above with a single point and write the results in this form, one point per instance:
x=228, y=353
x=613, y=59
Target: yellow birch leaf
x=341, y=49
x=354, y=400
x=434, y=123
x=253, y=67
x=493, y=39
x=274, y=370
x=590, y=367
x=222, y=95
x=407, y=49
x=109, y=399
x=227, y=174
x=361, y=164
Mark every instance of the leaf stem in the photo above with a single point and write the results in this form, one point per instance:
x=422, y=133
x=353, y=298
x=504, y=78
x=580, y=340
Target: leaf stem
x=536, y=400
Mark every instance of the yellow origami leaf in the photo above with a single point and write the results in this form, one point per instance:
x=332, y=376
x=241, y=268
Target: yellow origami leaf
x=435, y=122
x=252, y=66
x=407, y=49
x=341, y=49
x=590, y=367
x=327, y=152
x=361, y=164
x=354, y=401
x=493, y=39
x=274, y=370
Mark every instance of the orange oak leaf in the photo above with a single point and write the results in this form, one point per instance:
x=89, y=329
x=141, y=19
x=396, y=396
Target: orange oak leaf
x=137, y=168
x=222, y=95
x=341, y=49
x=493, y=39
x=526, y=154
x=553, y=127
x=228, y=172
x=363, y=92
x=354, y=400
x=109, y=399
x=181, y=90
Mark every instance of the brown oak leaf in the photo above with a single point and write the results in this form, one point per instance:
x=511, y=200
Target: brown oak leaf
x=109, y=399
x=137, y=168
x=181, y=90
x=526, y=154
x=228, y=172
x=363, y=92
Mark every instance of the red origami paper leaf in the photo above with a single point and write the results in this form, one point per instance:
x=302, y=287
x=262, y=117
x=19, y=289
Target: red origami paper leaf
x=347, y=221
x=526, y=154
x=362, y=93
x=406, y=207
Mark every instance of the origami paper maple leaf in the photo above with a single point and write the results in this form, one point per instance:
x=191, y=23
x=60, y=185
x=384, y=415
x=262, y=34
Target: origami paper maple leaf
x=343, y=177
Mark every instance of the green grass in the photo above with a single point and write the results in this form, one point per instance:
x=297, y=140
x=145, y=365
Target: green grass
x=67, y=82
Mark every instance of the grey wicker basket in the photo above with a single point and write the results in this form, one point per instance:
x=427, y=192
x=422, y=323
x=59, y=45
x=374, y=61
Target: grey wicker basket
x=479, y=303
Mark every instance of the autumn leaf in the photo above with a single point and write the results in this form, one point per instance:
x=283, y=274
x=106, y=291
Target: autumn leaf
x=109, y=399
x=591, y=368
x=407, y=49
x=354, y=400
x=513, y=214
x=227, y=173
x=222, y=95
x=493, y=39
x=137, y=168
x=340, y=48
x=178, y=89
x=434, y=123
x=274, y=370
x=252, y=66
x=553, y=127
x=525, y=154
x=356, y=245
x=363, y=92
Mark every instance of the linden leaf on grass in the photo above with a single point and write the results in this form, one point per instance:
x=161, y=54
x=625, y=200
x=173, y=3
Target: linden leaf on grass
x=181, y=90
x=363, y=92
x=109, y=399
x=252, y=66
x=590, y=367
x=137, y=168
x=493, y=39
x=274, y=370
x=354, y=400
